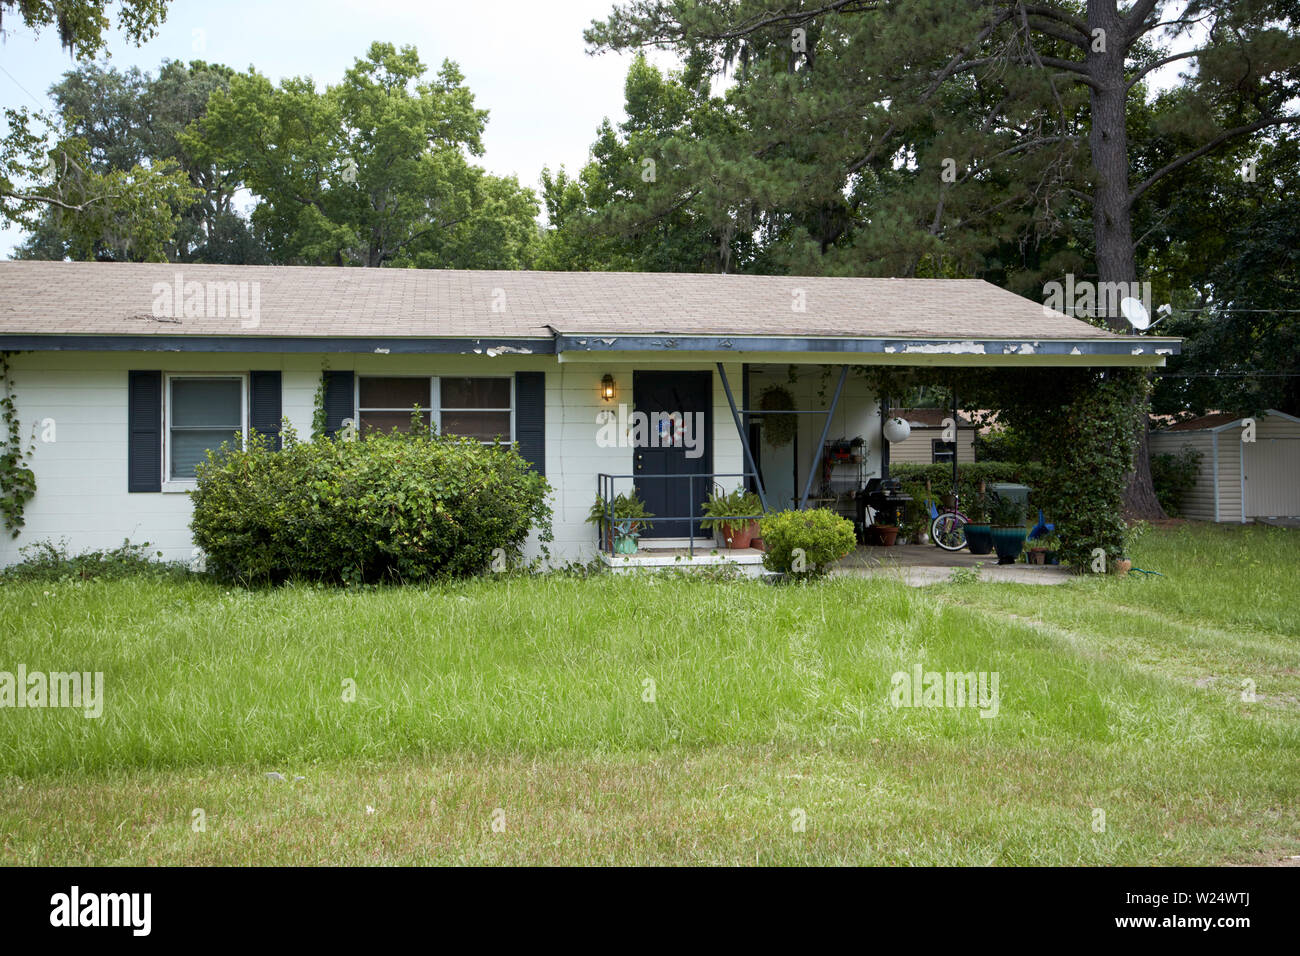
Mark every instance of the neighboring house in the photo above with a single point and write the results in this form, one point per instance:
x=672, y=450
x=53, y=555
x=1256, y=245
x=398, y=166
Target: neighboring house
x=1239, y=480
x=142, y=367
x=925, y=446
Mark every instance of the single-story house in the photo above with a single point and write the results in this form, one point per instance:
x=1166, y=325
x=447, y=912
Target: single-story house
x=926, y=445
x=1249, y=467
x=126, y=373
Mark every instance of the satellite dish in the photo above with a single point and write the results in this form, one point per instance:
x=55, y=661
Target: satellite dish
x=1135, y=312
x=896, y=430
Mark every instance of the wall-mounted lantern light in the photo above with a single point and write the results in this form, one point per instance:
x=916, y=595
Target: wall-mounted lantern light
x=607, y=388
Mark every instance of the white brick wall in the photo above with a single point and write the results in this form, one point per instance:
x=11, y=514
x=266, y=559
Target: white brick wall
x=81, y=478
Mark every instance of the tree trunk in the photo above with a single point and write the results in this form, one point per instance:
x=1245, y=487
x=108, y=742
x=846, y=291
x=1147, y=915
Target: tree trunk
x=1112, y=217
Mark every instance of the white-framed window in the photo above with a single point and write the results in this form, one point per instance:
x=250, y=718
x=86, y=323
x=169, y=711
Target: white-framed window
x=474, y=406
x=200, y=411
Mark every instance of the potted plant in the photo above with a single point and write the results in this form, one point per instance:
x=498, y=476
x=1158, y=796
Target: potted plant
x=886, y=534
x=723, y=511
x=1007, y=518
x=630, y=519
x=1051, y=548
x=979, y=534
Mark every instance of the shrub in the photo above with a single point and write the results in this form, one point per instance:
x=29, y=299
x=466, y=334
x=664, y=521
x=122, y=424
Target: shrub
x=386, y=507
x=1173, y=476
x=969, y=476
x=47, y=561
x=823, y=536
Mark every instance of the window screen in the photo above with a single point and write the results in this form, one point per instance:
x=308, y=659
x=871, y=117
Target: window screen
x=385, y=404
x=204, y=413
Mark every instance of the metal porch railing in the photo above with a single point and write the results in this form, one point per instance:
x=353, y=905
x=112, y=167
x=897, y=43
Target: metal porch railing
x=605, y=491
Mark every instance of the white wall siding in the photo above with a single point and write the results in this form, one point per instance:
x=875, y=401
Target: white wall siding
x=1199, y=502
x=81, y=492
x=918, y=449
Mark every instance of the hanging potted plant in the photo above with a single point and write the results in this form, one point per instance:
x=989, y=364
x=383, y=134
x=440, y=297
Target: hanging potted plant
x=1007, y=517
x=722, y=511
x=630, y=519
x=979, y=534
x=778, y=430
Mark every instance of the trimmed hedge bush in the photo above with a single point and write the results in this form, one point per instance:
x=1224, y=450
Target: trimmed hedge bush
x=387, y=507
x=824, y=536
x=970, y=474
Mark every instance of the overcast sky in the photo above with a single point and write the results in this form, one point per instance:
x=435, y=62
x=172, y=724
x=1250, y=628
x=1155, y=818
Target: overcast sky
x=524, y=60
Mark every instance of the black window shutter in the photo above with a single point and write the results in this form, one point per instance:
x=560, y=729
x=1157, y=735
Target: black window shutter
x=264, y=409
x=338, y=401
x=144, y=431
x=530, y=418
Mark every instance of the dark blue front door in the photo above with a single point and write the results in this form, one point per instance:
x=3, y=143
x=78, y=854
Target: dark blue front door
x=679, y=434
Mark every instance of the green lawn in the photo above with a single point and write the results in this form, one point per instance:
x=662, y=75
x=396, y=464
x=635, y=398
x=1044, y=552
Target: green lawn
x=771, y=705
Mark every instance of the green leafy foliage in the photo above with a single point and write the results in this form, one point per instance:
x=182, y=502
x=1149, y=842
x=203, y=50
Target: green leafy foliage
x=1006, y=512
x=49, y=180
x=17, y=481
x=630, y=513
x=804, y=544
x=778, y=430
x=372, y=171
x=1173, y=476
x=970, y=475
x=47, y=561
x=81, y=23
x=387, y=507
x=723, y=504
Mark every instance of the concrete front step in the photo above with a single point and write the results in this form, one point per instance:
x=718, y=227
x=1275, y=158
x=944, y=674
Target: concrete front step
x=748, y=560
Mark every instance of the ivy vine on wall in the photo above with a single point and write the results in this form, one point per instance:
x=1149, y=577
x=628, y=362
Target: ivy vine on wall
x=17, y=481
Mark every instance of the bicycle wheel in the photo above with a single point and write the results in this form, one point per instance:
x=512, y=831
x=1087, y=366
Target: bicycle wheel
x=948, y=531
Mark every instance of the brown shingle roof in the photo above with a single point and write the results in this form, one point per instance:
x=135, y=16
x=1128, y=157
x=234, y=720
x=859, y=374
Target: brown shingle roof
x=928, y=417
x=1213, y=420
x=91, y=298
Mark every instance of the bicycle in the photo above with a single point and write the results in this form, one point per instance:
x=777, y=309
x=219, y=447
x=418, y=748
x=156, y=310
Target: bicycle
x=948, y=527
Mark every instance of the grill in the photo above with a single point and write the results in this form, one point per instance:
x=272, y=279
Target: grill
x=883, y=497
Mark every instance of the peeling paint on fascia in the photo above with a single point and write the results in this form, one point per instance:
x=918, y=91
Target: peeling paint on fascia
x=608, y=342
x=949, y=348
x=381, y=351
x=1138, y=350
x=889, y=349
x=504, y=349
x=1026, y=348
x=1164, y=351
x=1075, y=351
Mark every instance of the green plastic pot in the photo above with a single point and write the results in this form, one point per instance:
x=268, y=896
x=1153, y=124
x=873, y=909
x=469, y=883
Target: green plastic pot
x=979, y=538
x=1007, y=542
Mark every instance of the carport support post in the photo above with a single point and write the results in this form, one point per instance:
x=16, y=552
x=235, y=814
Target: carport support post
x=821, y=445
x=744, y=438
x=956, y=436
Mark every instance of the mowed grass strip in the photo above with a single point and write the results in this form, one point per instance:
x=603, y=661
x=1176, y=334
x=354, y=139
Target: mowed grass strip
x=900, y=802
x=531, y=696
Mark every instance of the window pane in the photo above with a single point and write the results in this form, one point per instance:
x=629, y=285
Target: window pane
x=394, y=392
x=206, y=402
x=475, y=392
x=191, y=447
x=388, y=421
x=483, y=425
